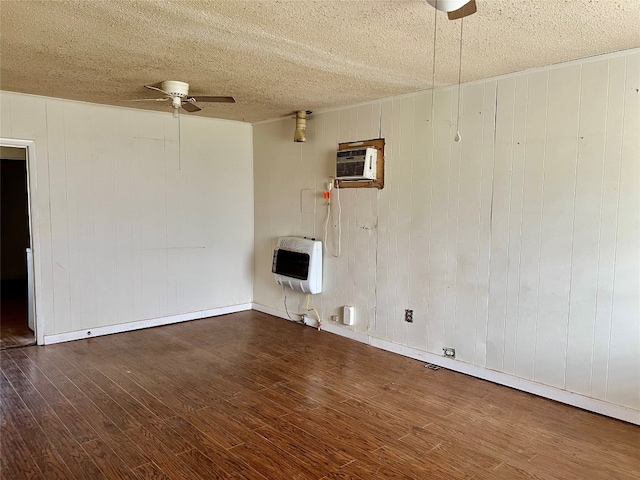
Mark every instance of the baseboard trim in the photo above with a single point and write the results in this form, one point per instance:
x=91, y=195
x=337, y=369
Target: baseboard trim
x=345, y=331
x=274, y=311
x=563, y=396
x=152, y=322
x=553, y=393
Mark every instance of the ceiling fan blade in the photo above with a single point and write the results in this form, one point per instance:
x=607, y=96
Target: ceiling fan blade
x=153, y=87
x=189, y=106
x=464, y=11
x=151, y=100
x=210, y=99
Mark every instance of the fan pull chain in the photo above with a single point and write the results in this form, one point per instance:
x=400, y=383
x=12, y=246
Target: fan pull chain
x=457, y=138
x=433, y=70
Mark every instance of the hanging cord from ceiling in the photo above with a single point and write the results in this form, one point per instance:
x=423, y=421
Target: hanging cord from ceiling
x=179, y=142
x=457, y=138
x=433, y=65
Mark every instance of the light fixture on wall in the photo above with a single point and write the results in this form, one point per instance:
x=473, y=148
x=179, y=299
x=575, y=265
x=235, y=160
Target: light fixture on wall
x=300, y=134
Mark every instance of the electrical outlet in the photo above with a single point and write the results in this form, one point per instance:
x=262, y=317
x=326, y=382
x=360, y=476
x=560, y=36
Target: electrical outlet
x=449, y=352
x=408, y=315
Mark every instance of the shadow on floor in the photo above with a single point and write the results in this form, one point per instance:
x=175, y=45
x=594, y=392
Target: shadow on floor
x=14, y=331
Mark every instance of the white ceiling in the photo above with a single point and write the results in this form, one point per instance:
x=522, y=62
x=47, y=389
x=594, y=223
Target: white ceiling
x=277, y=56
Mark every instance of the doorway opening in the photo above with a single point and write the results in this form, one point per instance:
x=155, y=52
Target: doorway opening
x=17, y=324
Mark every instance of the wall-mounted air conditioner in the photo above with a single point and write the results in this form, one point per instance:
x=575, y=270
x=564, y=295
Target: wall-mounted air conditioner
x=297, y=264
x=357, y=164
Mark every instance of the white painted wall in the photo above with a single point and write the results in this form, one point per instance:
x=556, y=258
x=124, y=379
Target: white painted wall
x=519, y=246
x=127, y=229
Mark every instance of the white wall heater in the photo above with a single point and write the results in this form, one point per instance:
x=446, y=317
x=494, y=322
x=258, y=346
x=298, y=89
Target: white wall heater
x=297, y=264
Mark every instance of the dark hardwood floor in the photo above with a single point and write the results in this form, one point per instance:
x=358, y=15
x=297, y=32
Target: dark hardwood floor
x=14, y=331
x=252, y=396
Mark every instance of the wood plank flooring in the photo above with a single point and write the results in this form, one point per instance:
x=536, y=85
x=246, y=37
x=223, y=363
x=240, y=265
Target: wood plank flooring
x=252, y=396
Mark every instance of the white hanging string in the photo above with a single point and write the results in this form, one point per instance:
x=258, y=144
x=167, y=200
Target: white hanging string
x=179, y=143
x=457, y=138
x=433, y=68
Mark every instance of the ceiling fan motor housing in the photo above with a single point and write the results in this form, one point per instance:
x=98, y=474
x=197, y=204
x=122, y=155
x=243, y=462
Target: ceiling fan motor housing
x=448, y=5
x=175, y=88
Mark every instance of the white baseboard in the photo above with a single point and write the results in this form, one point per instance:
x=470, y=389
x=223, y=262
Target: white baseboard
x=275, y=312
x=140, y=324
x=345, y=331
x=563, y=396
x=575, y=399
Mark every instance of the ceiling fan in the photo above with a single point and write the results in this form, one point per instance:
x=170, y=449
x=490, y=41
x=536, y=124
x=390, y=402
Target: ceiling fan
x=455, y=8
x=178, y=93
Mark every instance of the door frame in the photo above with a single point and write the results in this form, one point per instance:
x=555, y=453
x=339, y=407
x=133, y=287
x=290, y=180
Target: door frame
x=34, y=230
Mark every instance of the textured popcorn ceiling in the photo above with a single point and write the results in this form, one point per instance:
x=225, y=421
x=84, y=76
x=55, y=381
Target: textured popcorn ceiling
x=276, y=57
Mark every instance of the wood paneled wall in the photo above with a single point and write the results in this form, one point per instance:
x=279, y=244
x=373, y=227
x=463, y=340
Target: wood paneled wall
x=129, y=227
x=519, y=246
